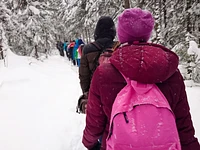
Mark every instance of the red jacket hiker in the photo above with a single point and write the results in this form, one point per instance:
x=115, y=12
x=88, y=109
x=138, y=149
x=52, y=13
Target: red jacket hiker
x=142, y=62
x=147, y=64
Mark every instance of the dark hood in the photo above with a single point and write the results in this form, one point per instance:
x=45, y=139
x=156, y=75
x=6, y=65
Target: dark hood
x=146, y=63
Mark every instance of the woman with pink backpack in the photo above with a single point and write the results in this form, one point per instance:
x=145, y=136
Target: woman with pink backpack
x=138, y=63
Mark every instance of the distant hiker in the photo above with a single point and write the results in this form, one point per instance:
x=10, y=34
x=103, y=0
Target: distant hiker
x=104, y=35
x=79, y=54
x=80, y=49
x=70, y=49
x=137, y=63
x=65, y=44
x=59, y=46
x=78, y=42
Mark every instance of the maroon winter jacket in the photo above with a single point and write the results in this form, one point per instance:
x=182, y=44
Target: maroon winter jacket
x=147, y=64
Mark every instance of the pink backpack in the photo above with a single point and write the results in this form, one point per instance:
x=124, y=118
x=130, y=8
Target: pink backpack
x=142, y=119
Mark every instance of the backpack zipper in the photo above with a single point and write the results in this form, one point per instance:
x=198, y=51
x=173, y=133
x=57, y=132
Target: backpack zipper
x=125, y=117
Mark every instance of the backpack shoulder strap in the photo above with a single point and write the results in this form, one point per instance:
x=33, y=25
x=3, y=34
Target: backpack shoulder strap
x=105, y=49
x=97, y=57
x=116, y=45
x=113, y=48
x=136, y=90
x=97, y=45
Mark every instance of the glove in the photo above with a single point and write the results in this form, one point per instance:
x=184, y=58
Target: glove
x=83, y=106
x=82, y=103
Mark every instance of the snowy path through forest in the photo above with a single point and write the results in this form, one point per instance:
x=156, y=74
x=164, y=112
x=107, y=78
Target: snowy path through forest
x=38, y=101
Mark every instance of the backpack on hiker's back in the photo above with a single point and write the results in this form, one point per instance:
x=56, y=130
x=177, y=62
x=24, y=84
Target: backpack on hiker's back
x=104, y=53
x=103, y=57
x=142, y=119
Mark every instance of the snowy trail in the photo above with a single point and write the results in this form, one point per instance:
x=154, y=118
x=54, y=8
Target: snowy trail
x=193, y=95
x=38, y=101
x=37, y=107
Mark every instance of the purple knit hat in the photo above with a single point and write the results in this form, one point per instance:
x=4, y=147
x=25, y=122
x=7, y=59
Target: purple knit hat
x=135, y=24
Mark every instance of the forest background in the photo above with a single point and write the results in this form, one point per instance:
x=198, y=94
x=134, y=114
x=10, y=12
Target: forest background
x=32, y=27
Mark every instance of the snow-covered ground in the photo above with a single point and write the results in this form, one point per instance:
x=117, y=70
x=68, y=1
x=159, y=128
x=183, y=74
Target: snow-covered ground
x=38, y=101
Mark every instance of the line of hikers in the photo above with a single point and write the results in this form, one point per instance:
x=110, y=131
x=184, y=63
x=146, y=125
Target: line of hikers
x=72, y=50
x=136, y=99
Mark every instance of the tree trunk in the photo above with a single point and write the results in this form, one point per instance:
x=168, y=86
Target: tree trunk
x=126, y=4
x=199, y=28
x=23, y=4
x=89, y=35
x=86, y=34
x=188, y=19
x=46, y=43
x=1, y=51
x=83, y=36
x=36, y=52
x=164, y=13
x=141, y=4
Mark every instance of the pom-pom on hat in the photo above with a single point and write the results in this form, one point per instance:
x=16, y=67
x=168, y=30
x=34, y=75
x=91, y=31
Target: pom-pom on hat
x=105, y=28
x=135, y=24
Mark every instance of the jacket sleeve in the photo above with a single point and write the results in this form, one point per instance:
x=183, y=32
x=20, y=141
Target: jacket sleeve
x=84, y=74
x=184, y=122
x=95, y=116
